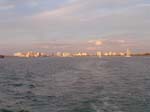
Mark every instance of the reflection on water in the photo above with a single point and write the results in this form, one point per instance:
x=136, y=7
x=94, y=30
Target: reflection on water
x=75, y=84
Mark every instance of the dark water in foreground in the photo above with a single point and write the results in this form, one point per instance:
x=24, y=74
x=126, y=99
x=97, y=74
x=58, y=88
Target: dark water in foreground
x=75, y=84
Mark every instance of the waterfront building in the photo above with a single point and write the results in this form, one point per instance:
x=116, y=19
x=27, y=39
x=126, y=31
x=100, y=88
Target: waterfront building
x=114, y=54
x=59, y=54
x=84, y=54
x=106, y=54
x=128, y=53
x=110, y=53
x=66, y=54
x=121, y=54
x=77, y=54
x=19, y=54
x=30, y=54
x=81, y=54
x=99, y=54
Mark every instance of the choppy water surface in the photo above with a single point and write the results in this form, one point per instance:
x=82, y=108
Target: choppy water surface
x=75, y=84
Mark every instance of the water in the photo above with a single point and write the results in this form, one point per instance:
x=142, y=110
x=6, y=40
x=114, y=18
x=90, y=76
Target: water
x=89, y=84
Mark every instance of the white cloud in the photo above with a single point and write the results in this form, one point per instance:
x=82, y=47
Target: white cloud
x=96, y=42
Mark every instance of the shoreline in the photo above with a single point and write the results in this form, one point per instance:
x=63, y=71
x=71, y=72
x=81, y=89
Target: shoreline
x=76, y=56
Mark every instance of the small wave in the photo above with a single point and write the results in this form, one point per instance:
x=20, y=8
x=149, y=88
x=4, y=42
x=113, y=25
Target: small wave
x=7, y=110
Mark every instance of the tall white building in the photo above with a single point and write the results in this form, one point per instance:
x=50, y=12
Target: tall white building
x=99, y=54
x=66, y=54
x=128, y=53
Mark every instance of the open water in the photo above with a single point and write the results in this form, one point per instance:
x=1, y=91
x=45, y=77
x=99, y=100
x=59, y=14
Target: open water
x=91, y=84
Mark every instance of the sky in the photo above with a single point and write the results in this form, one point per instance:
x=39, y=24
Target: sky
x=74, y=25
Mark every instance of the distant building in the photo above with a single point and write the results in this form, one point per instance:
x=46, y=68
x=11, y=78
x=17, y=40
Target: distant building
x=59, y=54
x=110, y=53
x=99, y=54
x=128, y=53
x=66, y=54
x=114, y=54
x=19, y=54
x=77, y=54
x=81, y=54
x=106, y=54
x=30, y=54
x=121, y=54
x=84, y=54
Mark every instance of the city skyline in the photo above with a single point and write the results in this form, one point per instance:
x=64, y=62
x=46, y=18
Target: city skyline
x=74, y=25
x=127, y=53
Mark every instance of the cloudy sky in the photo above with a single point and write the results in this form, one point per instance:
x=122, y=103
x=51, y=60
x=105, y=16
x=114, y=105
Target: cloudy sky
x=74, y=25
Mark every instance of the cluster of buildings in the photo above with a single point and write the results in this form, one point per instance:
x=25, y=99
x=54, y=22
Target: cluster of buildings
x=111, y=54
x=68, y=54
x=30, y=54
